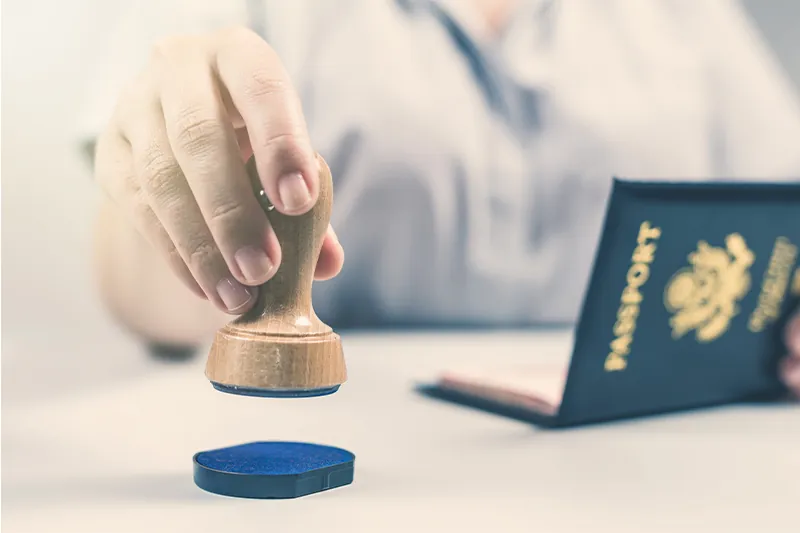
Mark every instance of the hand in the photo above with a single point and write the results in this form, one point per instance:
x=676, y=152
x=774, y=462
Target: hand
x=790, y=366
x=172, y=160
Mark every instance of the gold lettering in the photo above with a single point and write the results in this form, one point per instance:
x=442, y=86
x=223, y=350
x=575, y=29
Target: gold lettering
x=626, y=320
x=624, y=327
x=775, y=284
x=621, y=345
x=615, y=363
x=647, y=233
x=628, y=312
x=644, y=253
x=631, y=295
x=638, y=274
x=636, y=277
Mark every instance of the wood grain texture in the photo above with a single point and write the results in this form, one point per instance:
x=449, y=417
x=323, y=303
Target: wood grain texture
x=281, y=344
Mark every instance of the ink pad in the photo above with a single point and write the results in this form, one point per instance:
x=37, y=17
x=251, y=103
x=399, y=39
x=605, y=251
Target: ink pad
x=273, y=470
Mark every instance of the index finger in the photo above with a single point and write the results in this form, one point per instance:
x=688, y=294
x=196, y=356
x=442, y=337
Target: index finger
x=261, y=91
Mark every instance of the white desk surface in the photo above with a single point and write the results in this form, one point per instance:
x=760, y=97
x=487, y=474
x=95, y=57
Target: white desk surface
x=117, y=457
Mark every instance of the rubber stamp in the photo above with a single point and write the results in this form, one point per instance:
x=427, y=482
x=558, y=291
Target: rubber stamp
x=280, y=348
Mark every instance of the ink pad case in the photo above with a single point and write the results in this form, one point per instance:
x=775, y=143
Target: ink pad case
x=273, y=469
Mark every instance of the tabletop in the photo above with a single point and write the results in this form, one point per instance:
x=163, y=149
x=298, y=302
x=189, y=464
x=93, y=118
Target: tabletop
x=116, y=457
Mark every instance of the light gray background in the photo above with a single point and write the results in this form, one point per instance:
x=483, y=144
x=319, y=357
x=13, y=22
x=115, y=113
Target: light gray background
x=51, y=314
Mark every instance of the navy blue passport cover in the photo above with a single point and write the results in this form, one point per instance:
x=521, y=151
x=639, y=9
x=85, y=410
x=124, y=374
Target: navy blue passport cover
x=691, y=287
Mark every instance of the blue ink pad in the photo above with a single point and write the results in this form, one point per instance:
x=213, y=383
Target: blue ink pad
x=273, y=470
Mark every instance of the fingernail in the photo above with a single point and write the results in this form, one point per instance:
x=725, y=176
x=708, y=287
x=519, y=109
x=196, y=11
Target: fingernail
x=293, y=191
x=254, y=264
x=233, y=294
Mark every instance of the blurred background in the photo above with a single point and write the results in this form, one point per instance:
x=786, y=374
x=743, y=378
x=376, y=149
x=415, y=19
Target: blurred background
x=50, y=306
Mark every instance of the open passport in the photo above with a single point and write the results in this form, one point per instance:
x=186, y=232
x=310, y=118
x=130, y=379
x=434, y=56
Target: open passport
x=691, y=286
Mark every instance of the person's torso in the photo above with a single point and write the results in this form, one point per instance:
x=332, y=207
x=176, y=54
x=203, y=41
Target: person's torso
x=471, y=177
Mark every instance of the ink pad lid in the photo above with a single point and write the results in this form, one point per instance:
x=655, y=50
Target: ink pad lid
x=273, y=469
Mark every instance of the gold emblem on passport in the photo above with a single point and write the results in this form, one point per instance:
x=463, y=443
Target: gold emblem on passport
x=704, y=296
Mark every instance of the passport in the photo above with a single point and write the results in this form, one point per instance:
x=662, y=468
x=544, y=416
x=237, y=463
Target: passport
x=691, y=286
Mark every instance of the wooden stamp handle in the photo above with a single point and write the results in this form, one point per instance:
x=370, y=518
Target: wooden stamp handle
x=284, y=302
x=280, y=348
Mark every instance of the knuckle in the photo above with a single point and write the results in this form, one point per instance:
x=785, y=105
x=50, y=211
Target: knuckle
x=174, y=257
x=123, y=188
x=263, y=82
x=201, y=255
x=197, y=131
x=142, y=210
x=288, y=145
x=160, y=171
x=225, y=213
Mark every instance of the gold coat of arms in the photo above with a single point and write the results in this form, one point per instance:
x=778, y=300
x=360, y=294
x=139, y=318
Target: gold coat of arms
x=704, y=296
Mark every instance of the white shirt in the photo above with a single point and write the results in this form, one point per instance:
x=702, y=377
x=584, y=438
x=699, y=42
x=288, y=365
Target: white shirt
x=471, y=172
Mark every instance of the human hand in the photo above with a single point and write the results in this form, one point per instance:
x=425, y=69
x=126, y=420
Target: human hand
x=172, y=160
x=790, y=366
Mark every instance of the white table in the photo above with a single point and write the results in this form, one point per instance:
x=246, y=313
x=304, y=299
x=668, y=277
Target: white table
x=117, y=457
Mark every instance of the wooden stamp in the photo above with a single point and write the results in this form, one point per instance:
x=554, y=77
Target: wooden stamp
x=280, y=348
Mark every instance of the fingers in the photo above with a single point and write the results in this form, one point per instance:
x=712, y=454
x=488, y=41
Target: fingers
x=207, y=150
x=790, y=374
x=115, y=171
x=168, y=194
x=245, y=149
x=174, y=160
x=331, y=257
x=259, y=88
x=791, y=335
x=790, y=366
